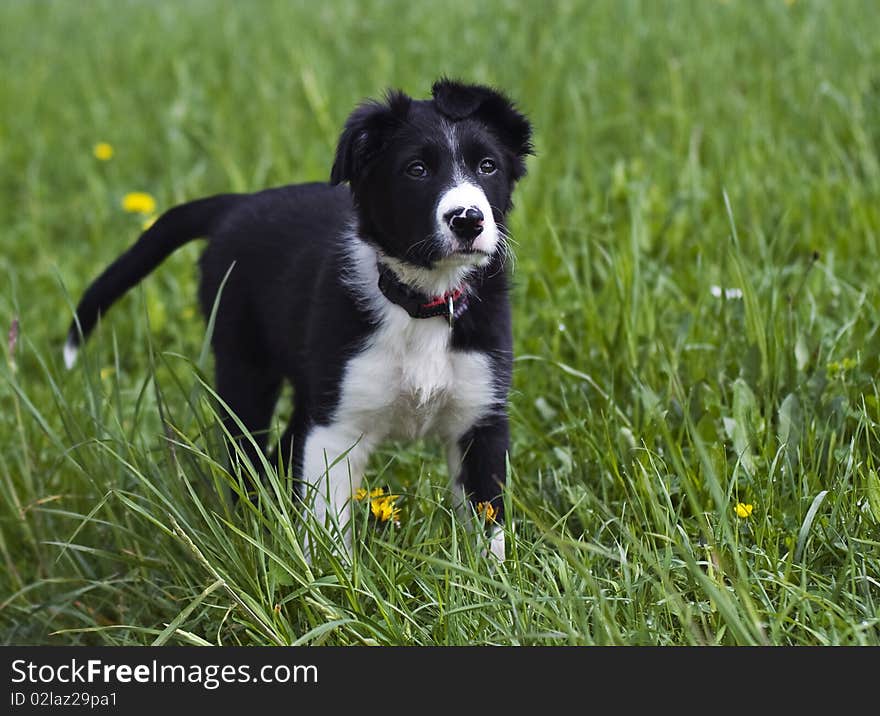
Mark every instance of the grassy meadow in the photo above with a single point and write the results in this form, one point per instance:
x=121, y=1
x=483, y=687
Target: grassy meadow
x=696, y=409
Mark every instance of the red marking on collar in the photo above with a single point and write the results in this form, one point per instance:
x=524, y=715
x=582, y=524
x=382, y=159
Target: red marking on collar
x=454, y=294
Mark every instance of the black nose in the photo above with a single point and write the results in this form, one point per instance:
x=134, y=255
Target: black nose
x=466, y=224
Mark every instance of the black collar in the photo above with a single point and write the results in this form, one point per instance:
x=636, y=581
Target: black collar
x=451, y=305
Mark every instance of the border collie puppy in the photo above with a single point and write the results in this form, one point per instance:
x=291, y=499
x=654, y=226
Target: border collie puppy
x=381, y=296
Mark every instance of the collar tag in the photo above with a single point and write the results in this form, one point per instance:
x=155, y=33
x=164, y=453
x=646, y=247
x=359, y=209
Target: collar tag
x=451, y=305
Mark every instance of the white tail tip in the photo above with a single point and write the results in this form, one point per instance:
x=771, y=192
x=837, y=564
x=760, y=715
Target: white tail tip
x=70, y=352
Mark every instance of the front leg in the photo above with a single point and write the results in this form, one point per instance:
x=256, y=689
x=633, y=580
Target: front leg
x=333, y=464
x=478, y=463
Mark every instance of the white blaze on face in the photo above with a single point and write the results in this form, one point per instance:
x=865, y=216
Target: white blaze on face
x=467, y=195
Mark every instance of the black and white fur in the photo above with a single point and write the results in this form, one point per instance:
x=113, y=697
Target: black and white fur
x=302, y=303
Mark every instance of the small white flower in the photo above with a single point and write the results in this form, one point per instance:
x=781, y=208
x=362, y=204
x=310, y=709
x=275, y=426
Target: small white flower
x=729, y=293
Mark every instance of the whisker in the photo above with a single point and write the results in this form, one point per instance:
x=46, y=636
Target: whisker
x=508, y=257
x=427, y=239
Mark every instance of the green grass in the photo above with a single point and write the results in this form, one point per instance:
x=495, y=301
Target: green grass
x=681, y=146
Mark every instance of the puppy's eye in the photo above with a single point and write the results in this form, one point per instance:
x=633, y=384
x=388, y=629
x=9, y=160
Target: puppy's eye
x=417, y=169
x=487, y=166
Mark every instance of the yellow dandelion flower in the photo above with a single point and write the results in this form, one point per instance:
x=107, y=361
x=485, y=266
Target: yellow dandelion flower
x=139, y=202
x=103, y=151
x=362, y=494
x=384, y=508
x=743, y=510
x=487, y=511
x=377, y=507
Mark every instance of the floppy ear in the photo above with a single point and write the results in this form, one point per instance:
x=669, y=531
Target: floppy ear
x=494, y=109
x=365, y=134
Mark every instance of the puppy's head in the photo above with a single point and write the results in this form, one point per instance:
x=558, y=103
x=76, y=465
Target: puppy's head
x=432, y=179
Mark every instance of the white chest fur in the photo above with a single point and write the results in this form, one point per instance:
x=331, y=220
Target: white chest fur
x=404, y=382
x=408, y=383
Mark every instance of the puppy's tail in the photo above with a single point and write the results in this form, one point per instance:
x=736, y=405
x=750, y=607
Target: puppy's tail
x=172, y=230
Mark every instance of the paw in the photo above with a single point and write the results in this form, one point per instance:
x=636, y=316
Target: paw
x=496, y=546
